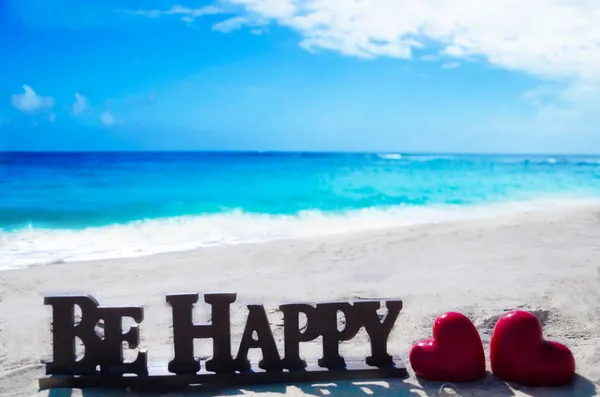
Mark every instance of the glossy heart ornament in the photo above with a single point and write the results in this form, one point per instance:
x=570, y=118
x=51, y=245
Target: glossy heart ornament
x=519, y=353
x=454, y=354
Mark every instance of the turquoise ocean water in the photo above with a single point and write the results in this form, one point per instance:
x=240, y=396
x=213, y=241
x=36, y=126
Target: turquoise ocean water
x=67, y=207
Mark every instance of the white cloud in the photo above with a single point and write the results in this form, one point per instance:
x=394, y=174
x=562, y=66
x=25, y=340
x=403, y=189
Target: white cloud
x=451, y=65
x=107, y=119
x=30, y=101
x=257, y=25
x=231, y=24
x=555, y=40
x=81, y=103
x=187, y=14
x=52, y=117
x=430, y=58
x=548, y=38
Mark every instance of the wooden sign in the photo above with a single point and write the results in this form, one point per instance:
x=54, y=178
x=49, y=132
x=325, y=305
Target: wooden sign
x=103, y=364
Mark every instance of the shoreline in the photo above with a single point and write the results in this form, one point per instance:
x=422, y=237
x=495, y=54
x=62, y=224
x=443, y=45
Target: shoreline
x=545, y=262
x=390, y=220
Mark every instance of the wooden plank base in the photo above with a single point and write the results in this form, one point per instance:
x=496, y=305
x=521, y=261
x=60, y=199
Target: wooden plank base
x=159, y=378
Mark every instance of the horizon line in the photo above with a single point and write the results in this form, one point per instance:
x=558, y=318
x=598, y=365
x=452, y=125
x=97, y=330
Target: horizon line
x=283, y=151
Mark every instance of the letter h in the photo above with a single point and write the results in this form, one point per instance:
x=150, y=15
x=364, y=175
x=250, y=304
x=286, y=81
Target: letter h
x=185, y=331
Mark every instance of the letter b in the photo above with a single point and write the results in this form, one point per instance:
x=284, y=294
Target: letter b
x=105, y=352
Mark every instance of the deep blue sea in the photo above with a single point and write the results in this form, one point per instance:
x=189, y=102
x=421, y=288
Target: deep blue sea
x=66, y=207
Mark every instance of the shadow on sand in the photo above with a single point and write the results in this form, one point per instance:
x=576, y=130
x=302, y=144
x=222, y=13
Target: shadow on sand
x=491, y=387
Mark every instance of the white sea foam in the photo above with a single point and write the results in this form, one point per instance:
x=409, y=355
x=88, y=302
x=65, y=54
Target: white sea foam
x=30, y=247
x=413, y=157
x=424, y=158
x=390, y=156
x=508, y=159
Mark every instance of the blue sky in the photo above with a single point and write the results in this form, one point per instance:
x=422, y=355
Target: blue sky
x=403, y=75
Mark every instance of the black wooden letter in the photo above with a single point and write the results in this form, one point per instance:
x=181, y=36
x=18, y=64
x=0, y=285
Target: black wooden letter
x=185, y=331
x=258, y=321
x=111, y=354
x=106, y=352
x=64, y=332
x=293, y=335
x=327, y=319
x=378, y=331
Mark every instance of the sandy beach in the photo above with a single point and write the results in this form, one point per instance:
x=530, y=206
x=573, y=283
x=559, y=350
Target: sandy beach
x=547, y=262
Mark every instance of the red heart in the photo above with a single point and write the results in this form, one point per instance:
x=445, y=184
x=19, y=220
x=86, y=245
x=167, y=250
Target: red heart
x=455, y=354
x=519, y=353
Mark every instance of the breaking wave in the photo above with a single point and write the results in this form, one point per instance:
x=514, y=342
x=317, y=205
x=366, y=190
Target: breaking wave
x=37, y=246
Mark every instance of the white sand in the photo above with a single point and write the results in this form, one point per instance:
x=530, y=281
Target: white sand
x=546, y=262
